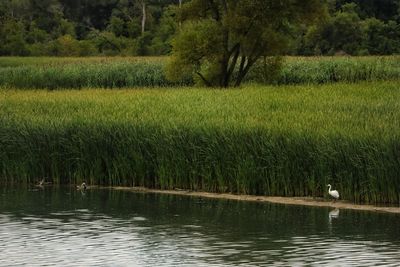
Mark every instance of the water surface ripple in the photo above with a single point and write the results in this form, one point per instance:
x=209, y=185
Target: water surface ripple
x=63, y=227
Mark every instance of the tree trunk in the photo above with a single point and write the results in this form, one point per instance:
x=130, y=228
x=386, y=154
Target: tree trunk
x=180, y=6
x=243, y=70
x=224, y=78
x=230, y=68
x=143, y=16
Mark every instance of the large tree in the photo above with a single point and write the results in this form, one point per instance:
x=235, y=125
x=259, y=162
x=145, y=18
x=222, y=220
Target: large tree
x=220, y=40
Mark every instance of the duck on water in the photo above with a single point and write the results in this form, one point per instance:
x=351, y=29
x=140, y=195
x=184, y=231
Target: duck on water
x=42, y=183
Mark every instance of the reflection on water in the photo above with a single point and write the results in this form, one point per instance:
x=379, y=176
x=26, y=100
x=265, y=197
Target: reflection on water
x=116, y=228
x=333, y=214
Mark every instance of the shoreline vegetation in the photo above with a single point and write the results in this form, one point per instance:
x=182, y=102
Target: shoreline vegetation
x=300, y=201
x=119, y=72
x=257, y=140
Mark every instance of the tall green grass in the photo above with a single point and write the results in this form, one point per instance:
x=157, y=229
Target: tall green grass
x=92, y=75
x=54, y=73
x=320, y=70
x=62, y=61
x=287, y=140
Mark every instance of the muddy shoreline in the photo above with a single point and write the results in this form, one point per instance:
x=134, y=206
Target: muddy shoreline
x=304, y=201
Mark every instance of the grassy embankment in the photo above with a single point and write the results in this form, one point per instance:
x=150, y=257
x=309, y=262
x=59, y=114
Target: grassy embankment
x=53, y=73
x=287, y=140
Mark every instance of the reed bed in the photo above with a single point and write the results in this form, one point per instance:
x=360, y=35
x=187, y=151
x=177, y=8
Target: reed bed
x=320, y=70
x=62, y=61
x=265, y=140
x=88, y=74
x=55, y=73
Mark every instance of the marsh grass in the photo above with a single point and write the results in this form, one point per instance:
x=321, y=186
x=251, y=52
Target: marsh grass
x=62, y=61
x=55, y=73
x=286, y=140
x=90, y=74
x=320, y=70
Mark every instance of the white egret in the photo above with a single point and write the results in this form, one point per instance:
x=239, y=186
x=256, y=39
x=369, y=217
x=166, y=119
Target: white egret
x=333, y=193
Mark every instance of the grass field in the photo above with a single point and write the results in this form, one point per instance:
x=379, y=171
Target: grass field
x=120, y=72
x=268, y=140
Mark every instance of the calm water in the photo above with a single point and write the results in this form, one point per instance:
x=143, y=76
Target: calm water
x=62, y=227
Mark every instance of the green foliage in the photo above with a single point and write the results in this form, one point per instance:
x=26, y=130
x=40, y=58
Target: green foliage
x=38, y=49
x=384, y=10
x=117, y=26
x=143, y=44
x=220, y=37
x=33, y=27
x=340, y=33
x=65, y=28
x=66, y=46
x=35, y=35
x=108, y=44
x=197, y=46
x=381, y=37
x=12, y=38
x=286, y=141
x=87, y=48
x=162, y=41
x=345, y=32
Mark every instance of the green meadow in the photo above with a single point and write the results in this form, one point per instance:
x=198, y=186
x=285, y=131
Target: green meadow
x=286, y=140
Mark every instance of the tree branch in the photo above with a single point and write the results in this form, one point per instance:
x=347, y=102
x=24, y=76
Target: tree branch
x=208, y=84
x=236, y=51
x=242, y=63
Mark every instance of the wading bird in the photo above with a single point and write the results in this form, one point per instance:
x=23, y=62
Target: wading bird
x=41, y=183
x=83, y=186
x=333, y=193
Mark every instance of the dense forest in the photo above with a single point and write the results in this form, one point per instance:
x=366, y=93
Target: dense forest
x=146, y=27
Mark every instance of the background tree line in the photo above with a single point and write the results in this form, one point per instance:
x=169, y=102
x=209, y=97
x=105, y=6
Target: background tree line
x=146, y=27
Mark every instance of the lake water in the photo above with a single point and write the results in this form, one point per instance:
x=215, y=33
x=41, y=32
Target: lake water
x=64, y=227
